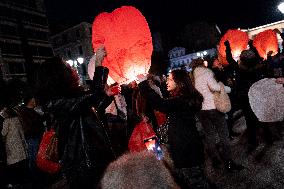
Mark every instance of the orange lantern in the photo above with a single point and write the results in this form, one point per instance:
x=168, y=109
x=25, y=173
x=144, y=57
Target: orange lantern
x=266, y=41
x=238, y=42
x=127, y=38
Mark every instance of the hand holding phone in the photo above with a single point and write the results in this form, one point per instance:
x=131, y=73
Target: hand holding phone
x=153, y=144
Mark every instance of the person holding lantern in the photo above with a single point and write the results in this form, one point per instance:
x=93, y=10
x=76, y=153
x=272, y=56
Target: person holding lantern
x=250, y=70
x=185, y=144
x=84, y=147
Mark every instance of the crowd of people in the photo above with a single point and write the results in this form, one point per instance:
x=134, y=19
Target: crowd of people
x=93, y=142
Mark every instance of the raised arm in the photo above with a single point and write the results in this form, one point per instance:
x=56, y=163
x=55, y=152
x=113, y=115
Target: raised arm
x=229, y=56
x=159, y=103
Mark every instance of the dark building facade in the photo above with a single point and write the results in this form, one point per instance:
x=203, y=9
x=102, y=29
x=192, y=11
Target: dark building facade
x=24, y=37
x=74, y=42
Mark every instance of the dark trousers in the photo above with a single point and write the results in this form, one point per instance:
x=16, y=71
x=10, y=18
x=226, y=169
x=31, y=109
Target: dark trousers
x=272, y=131
x=18, y=172
x=252, y=123
x=214, y=123
x=33, y=145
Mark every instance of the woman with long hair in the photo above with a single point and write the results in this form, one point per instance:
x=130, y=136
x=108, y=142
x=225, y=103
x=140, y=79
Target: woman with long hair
x=185, y=145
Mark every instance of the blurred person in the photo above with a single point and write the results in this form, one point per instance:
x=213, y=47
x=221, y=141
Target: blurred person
x=33, y=128
x=138, y=170
x=3, y=158
x=16, y=148
x=248, y=71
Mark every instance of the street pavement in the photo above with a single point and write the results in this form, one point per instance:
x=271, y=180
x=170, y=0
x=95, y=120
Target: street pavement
x=264, y=167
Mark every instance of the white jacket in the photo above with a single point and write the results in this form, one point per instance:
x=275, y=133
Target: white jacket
x=205, y=83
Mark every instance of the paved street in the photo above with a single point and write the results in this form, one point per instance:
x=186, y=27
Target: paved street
x=260, y=173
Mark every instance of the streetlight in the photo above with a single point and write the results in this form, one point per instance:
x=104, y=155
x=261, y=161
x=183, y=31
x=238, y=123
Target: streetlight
x=80, y=67
x=281, y=7
x=80, y=60
x=83, y=68
x=70, y=62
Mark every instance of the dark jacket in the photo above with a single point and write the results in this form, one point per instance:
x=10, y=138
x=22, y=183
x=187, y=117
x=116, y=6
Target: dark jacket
x=245, y=75
x=84, y=146
x=185, y=145
x=32, y=123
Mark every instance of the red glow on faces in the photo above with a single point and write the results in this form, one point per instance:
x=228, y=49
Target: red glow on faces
x=266, y=41
x=238, y=42
x=127, y=38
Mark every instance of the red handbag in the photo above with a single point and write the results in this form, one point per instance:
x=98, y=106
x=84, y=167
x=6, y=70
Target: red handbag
x=142, y=131
x=48, y=146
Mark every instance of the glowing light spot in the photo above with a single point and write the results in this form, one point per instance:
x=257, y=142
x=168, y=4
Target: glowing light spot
x=281, y=7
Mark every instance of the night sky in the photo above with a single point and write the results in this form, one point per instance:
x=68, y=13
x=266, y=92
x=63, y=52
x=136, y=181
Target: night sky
x=169, y=16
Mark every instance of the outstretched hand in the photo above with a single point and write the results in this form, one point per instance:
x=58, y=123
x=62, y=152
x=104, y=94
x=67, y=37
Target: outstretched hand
x=100, y=54
x=277, y=31
x=227, y=43
x=113, y=90
x=250, y=43
x=269, y=53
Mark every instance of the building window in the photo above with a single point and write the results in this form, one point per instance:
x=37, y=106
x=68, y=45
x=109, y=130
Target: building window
x=68, y=53
x=77, y=33
x=41, y=51
x=8, y=30
x=10, y=48
x=64, y=38
x=16, y=68
x=80, y=49
x=37, y=35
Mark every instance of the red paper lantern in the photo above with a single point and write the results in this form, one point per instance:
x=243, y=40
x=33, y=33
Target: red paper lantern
x=266, y=41
x=127, y=38
x=238, y=42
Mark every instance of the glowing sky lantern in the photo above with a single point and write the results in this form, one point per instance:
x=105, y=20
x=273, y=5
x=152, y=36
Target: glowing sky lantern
x=238, y=42
x=266, y=41
x=126, y=36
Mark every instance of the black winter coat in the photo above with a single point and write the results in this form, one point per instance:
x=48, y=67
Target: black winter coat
x=84, y=146
x=185, y=145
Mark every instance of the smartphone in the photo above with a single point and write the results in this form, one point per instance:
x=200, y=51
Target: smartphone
x=153, y=144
